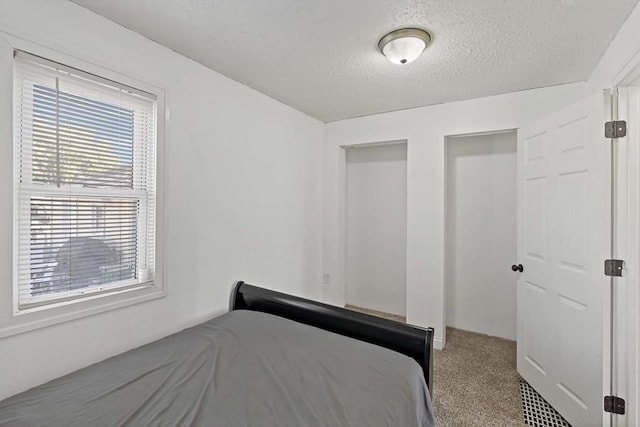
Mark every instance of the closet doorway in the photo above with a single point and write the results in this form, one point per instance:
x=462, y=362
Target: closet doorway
x=376, y=229
x=481, y=233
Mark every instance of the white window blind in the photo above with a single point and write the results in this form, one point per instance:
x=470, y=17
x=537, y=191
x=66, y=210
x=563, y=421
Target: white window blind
x=85, y=185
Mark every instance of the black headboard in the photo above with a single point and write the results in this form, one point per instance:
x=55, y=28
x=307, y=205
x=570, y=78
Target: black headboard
x=409, y=340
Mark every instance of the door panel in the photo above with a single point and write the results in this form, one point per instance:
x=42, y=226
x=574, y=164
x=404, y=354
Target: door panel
x=536, y=219
x=563, y=231
x=534, y=347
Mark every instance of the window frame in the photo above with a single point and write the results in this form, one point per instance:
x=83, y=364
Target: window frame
x=14, y=320
x=29, y=188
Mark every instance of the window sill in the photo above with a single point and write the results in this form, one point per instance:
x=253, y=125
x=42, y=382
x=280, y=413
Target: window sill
x=80, y=297
x=41, y=317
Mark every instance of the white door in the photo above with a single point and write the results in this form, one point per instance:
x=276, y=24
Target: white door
x=563, y=239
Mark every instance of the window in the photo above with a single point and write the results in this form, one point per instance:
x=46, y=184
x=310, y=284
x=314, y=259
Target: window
x=85, y=184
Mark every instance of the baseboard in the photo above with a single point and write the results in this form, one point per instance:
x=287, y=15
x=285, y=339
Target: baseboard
x=438, y=343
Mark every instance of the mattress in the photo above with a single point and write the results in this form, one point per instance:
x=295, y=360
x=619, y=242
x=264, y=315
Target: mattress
x=243, y=368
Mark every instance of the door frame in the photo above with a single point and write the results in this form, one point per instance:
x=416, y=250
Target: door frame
x=625, y=365
x=447, y=140
x=338, y=280
x=343, y=218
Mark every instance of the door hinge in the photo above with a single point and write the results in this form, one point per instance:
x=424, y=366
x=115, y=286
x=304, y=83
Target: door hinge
x=615, y=129
x=613, y=267
x=614, y=404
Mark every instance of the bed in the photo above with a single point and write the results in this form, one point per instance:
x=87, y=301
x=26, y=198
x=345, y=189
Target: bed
x=272, y=360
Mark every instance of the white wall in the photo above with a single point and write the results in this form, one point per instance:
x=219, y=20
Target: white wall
x=425, y=130
x=243, y=193
x=481, y=234
x=377, y=227
x=622, y=53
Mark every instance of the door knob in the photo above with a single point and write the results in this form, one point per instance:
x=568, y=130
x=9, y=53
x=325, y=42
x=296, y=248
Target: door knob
x=518, y=267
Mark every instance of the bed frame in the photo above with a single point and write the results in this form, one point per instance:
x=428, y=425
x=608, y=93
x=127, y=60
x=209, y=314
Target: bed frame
x=409, y=340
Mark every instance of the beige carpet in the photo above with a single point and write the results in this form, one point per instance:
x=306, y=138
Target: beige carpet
x=475, y=382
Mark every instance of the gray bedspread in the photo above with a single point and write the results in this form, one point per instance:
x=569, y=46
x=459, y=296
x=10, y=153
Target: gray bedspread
x=241, y=369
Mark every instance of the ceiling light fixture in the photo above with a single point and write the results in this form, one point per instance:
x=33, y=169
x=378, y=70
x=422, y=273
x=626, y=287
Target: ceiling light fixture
x=404, y=45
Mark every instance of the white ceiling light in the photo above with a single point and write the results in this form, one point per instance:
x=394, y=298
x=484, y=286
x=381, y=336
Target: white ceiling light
x=404, y=45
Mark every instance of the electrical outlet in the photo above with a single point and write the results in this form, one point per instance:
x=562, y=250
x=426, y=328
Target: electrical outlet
x=326, y=278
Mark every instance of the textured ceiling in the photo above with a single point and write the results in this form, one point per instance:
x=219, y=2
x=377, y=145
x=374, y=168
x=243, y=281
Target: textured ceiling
x=321, y=57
